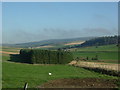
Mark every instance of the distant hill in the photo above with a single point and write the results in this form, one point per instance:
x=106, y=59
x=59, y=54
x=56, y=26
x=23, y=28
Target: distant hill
x=48, y=42
x=107, y=40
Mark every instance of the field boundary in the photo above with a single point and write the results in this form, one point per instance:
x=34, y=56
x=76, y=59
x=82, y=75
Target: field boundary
x=104, y=68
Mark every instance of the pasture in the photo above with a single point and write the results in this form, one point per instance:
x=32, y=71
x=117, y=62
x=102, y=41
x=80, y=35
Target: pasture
x=106, y=53
x=99, y=48
x=11, y=49
x=107, y=57
x=16, y=74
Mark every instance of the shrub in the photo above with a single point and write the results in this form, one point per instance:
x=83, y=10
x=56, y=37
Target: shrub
x=95, y=58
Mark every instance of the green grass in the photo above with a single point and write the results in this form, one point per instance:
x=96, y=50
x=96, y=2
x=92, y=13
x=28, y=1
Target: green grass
x=108, y=57
x=10, y=49
x=105, y=53
x=99, y=48
x=15, y=75
x=5, y=57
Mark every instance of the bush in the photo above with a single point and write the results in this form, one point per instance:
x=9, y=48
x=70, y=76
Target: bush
x=95, y=58
x=46, y=56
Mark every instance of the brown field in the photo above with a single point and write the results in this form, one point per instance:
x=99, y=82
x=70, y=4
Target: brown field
x=75, y=43
x=8, y=52
x=48, y=46
x=80, y=83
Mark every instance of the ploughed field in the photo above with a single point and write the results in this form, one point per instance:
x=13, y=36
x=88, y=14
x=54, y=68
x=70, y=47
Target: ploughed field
x=15, y=74
x=80, y=83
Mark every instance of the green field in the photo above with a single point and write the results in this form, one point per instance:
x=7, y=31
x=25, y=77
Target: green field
x=16, y=74
x=106, y=53
x=99, y=48
x=108, y=57
x=10, y=49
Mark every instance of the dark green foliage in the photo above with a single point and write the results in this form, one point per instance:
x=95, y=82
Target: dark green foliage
x=101, y=41
x=87, y=58
x=95, y=58
x=104, y=71
x=107, y=40
x=26, y=54
x=46, y=56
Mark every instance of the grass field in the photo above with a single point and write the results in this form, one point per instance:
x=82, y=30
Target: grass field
x=10, y=49
x=106, y=53
x=16, y=74
x=108, y=57
x=99, y=48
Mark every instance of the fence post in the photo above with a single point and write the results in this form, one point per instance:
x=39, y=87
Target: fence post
x=25, y=86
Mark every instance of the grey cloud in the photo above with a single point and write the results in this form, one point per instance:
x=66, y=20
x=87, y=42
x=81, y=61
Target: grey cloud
x=62, y=33
x=21, y=36
x=98, y=30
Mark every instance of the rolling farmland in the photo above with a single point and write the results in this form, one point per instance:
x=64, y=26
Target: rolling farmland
x=60, y=45
x=15, y=74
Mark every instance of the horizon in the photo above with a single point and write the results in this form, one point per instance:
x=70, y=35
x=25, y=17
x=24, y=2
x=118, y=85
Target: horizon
x=37, y=21
x=62, y=39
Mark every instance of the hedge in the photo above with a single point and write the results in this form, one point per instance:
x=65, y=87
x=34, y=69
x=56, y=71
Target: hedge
x=38, y=56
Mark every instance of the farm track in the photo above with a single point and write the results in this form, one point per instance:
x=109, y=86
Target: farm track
x=106, y=66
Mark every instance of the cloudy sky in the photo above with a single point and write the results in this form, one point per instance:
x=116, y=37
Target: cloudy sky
x=36, y=21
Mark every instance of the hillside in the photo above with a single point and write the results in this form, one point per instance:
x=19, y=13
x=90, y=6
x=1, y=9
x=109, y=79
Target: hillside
x=53, y=42
x=37, y=75
x=107, y=40
x=101, y=41
x=69, y=43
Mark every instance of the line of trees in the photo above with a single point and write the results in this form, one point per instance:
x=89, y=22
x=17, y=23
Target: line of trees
x=87, y=58
x=101, y=41
x=38, y=56
x=107, y=40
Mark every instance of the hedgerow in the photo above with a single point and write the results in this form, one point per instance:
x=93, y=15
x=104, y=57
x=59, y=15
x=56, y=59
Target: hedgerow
x=38, y=56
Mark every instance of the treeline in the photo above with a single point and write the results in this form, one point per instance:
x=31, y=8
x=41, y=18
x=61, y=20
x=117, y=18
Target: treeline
x=38, y=56
x=101, y=41
x=107, y=40
x=87, y=58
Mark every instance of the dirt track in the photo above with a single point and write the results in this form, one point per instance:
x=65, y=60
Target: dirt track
x=8, y=52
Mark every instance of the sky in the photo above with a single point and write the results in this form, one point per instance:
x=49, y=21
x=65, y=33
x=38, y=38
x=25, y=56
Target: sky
x=35, y=21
